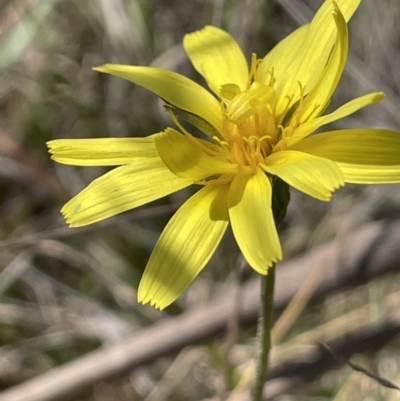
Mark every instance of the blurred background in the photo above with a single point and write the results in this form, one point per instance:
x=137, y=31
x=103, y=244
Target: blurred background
x=68, y=296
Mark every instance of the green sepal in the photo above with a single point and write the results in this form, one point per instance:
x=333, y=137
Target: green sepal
x=195, y=120
x=290, y=113
x=280, y=198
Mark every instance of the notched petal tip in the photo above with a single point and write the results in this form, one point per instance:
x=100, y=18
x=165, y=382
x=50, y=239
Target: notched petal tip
x=147, y=296
x=265, y=269
x=68, y=215
x=54, y=146
x=315, y=176
x=152, y=303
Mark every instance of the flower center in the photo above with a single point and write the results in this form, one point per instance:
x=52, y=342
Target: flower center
x=249, y=127
x=248, y=142
x=255, y=123
x=252, y=124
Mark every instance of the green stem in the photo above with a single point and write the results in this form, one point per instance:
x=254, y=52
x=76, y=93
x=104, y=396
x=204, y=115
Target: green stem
x=264, y=332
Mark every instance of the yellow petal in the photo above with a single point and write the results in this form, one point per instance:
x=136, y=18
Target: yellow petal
x=240, y=108
x=121, y=189
x=252, y=221
x=320, y=94
x=172, y=87
x=316, y=176
x=229, y=91
x=217, y=57
x=343, y=111
x=312, y=46
x=184, y=158
x=370, y=174
x=185, y=246
x=281, y=57
x=365, y=156
x=101, y=151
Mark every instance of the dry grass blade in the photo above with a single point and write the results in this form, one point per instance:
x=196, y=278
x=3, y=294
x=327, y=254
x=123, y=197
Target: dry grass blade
x=364, y=247
x=177, y=371
x=14, y=270
x=20, y=36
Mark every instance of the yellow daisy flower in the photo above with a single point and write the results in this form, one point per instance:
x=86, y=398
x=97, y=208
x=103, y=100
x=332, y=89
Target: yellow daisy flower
x=258, y=121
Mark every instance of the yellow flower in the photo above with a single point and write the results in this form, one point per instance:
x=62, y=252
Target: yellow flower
x=258, y=124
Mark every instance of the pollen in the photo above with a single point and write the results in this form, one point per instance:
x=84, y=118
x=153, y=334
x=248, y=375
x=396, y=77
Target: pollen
x=249, y=124
x=253, y=68
x=252, y=129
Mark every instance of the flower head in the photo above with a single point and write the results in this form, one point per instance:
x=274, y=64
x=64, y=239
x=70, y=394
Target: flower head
x=258, y=122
